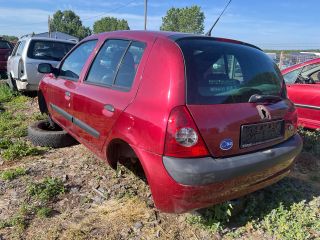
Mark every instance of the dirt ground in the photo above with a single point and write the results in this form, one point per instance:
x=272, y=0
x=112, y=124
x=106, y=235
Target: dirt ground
x=101, y=203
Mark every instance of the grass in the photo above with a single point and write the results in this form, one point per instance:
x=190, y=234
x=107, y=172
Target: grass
x=13, y=173
x=19, y=149
x=6, y=94
x=47, y=190
x=311, y=141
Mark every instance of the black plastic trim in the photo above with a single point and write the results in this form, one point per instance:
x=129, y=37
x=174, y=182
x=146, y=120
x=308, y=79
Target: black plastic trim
x=76, y=121
x=63, y=113
x=207, y=170
x=86, y=128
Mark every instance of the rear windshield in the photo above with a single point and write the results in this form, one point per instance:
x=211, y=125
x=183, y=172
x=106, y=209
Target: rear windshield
x=49, y=50
x=222, y=72
x=5, y=45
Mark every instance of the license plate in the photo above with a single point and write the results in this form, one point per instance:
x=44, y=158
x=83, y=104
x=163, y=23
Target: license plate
x=259, y=133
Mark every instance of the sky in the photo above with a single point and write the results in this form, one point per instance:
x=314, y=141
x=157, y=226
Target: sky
x=269, y=24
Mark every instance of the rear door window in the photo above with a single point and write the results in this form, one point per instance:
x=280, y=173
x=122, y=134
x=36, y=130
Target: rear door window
x=116, y=63
x=20, y=48
x=222, y=72
x=74, y=62
x=48, y=50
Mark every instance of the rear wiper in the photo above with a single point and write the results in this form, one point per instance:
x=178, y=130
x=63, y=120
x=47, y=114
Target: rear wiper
x=256, y=98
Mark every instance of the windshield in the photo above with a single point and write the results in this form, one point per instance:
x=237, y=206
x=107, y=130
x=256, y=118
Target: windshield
x=49, y=50
x=222, y=72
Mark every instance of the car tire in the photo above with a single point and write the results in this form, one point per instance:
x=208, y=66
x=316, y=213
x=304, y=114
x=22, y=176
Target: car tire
x=12, y=83
x=42, y=134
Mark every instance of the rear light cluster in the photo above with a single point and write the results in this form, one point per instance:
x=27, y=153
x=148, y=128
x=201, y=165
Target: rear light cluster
x=182, y=137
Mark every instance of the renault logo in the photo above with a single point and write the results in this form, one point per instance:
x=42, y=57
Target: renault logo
x=263, y=112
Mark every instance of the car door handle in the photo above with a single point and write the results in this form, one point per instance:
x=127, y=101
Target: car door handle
x=68, y=94
x=109, y=107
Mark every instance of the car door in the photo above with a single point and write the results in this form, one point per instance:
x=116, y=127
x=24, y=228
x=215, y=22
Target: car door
x=305, y=94
x=14, y=61
x=109, y=87
x=62, y=87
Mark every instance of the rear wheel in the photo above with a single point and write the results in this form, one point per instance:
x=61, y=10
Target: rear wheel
x=45, y=134
x=12, y=83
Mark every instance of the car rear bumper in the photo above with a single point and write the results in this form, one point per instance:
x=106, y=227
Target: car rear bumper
x=202, y=171
x=197, y=183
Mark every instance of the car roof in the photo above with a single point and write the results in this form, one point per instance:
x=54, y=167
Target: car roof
x=47, y=39
x=174, y=36
x=294, y=67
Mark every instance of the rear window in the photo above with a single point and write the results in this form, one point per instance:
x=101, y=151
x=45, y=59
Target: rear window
x=49, y=50
x=5, y=45
x=222, y=72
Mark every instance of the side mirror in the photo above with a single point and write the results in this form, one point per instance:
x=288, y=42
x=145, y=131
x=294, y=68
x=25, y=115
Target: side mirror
x=45, y=68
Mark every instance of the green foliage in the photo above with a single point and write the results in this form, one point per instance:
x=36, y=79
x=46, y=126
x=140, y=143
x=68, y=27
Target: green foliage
x=47, y=190
x=13, y=173
x=10, y=38
x=70, y=23
x=294, y=223
x=12, y=126
x=108, y=24
x=44, y=212
x=311, y=141
x=214, y=218
x=5, y=143
x=188, y=19
x=6, y=94
x=20, y=149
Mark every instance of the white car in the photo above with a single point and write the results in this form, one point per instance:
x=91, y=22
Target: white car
x=23, y=62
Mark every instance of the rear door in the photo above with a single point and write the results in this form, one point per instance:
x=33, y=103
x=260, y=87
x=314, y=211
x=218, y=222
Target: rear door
x=63, y=87
x=221, y=78
x=16, y=60
x=109, y=87
x=304, y=90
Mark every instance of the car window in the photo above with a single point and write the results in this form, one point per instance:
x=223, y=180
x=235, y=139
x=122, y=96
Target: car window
x=73, y=64
x=20, y=48
x=106, y=64
x=5, y=45
x=15, y=49
x=129, y=65
x=316, y=77
x=222, y=72
x=48, y=50
x=292, y=76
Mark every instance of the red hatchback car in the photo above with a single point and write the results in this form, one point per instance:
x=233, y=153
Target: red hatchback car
x=207, y=118
x=303, y=86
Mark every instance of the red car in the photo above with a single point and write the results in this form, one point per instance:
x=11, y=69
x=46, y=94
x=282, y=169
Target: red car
x=208, y=118
x=303, y=86
x=5, y=51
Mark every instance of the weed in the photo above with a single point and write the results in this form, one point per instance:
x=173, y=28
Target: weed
x=311, y=141
x=44, y=212
x=47, y=190
x=20, y=149
x=6, y=94
x=12, y=126
x=5, y=143
x=214, y=218
x=13, y=173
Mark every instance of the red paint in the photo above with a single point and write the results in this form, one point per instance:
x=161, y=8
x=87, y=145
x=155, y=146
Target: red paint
x=141, y=115
x=305, y=94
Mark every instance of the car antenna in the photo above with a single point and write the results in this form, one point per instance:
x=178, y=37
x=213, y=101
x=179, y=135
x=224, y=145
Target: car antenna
x=225, y=8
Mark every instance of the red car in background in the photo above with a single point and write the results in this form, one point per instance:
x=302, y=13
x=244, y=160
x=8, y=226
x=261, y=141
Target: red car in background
x=5, y=51
x=303, y=86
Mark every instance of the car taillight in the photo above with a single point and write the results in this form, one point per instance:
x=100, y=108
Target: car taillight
x=182, y=137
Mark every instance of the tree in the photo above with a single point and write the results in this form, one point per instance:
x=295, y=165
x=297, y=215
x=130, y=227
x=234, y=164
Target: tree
x=10, y=38
x=70, y=23
x=108, y=24
x=188, y=19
